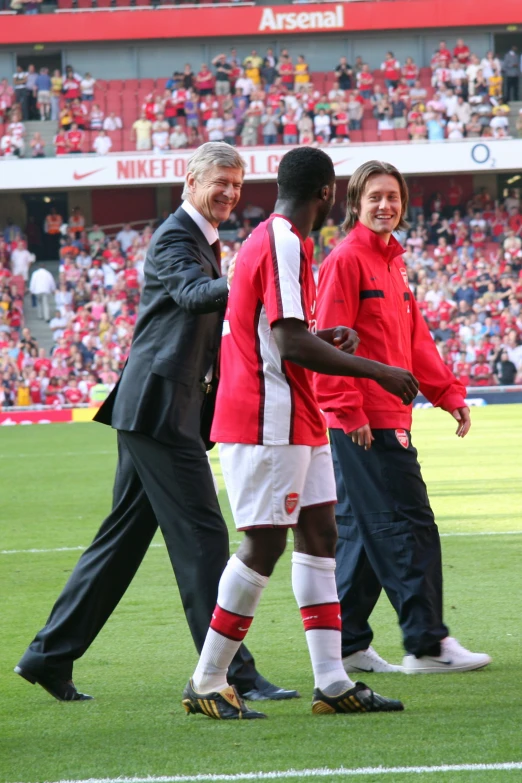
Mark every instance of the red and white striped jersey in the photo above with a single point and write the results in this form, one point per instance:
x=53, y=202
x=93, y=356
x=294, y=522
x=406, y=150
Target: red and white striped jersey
x=262, y=399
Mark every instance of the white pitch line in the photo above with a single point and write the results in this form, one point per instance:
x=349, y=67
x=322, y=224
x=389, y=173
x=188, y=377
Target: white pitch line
x=483, y=533
x=310, y=773
x=236, y=543
x=58, y=549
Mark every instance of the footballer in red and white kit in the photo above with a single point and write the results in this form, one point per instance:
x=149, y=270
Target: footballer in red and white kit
x=275, y=457
x=274, y=449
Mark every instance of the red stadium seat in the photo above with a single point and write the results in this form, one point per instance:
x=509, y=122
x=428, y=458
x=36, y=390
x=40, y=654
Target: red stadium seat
x=84, y=3
x=142, y=2
x=131, y=85
x=387, y=135
x=370, y=135
x=65, y=4
x=401, y=134
x=147, y=84
x=370, y=123
x=117, y=140
x=103, y=3
x=425, y=72
x=123, y=3
x=356, y=136
x=115, y=85
x=129, y=116
x=319, y=79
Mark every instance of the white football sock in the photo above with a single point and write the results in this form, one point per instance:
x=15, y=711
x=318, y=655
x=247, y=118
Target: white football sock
x=313, y=582
x=239, y=592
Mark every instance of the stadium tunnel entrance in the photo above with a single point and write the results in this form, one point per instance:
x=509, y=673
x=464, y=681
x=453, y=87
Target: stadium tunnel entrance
x=51, y=59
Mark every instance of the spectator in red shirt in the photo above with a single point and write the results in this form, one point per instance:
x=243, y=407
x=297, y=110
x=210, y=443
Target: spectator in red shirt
x=150, y=107
x=442, y=57
x=74, y=139
x=365, y=82
x=42, y=363
x=72, y=393
x=285, y=69
x=60, y=143
x=71, y=88
x=79, y=113
x=461, y=52
x=392, y=71
x=410, y=72
x=340, y=122
x=481, y=374
x=205, y=81
x=35, y=388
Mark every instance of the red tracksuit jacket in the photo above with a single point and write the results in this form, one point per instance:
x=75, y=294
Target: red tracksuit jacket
x=363, y=284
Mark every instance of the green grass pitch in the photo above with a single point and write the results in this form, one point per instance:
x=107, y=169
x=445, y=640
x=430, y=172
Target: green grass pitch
x=56, y=487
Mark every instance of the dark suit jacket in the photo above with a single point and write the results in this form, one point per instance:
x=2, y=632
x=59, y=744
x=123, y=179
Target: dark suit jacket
x=176, y=339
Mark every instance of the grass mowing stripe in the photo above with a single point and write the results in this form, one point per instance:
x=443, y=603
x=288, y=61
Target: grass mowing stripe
x=310, y=773
x=38, y=455
x=234, y=543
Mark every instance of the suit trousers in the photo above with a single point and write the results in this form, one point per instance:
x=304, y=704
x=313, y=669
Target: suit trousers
x=156, y=484
x=387, y=539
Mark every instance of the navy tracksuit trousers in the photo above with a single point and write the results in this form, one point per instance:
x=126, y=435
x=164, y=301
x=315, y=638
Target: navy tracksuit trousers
x=387, y=539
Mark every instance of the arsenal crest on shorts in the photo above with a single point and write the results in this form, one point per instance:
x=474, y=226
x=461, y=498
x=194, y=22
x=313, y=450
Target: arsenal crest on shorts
x=402, y=437
x=291, y=501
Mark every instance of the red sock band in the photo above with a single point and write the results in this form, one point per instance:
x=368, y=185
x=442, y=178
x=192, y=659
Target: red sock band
x=233, y=626
x=322, y=616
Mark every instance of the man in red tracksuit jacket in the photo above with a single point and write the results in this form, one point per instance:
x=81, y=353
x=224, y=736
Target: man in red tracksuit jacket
x=387, y=532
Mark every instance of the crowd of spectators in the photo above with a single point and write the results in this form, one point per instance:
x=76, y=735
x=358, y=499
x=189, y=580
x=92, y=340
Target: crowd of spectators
x=270, y=99
x=464, y=267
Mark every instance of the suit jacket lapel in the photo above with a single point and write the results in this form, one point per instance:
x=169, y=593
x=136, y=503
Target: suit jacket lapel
x=185, y=219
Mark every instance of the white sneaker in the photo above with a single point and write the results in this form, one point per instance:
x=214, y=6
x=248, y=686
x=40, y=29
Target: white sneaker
x=453, y=658
x=368, y=661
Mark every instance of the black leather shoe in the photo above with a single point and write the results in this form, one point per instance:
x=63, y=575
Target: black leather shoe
x=265, y=691
x=63, y=690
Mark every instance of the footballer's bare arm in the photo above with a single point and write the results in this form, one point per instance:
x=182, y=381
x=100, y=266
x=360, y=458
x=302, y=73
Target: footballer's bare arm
x=297, y=344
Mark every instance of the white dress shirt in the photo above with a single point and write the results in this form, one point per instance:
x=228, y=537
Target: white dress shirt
x=211, y=235
x=209, y=232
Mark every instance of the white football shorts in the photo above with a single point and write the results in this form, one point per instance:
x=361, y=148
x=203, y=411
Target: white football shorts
x=269, y=485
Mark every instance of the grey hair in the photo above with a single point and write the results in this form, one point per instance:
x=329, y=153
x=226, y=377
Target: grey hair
x=212, y=153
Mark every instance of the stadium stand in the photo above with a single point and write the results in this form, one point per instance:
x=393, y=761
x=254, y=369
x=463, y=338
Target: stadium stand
x=450, y=99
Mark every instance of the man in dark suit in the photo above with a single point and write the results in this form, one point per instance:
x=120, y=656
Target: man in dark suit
x=161, y=403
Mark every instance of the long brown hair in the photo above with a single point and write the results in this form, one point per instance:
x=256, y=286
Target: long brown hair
x=357, y=185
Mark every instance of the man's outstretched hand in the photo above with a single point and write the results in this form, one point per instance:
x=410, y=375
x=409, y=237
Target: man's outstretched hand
x=464, y=420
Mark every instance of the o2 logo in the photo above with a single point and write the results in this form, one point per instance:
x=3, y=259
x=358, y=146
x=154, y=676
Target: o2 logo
x=480, y=153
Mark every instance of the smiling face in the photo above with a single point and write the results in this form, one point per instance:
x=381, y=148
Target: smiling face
x=216, y=193
x=380, y=206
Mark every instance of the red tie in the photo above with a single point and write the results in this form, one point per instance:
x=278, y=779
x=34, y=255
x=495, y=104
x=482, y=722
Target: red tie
x=216, y=247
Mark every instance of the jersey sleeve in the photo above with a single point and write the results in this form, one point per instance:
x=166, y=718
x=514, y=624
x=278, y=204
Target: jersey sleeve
x=436, y=381
x=282, y=293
